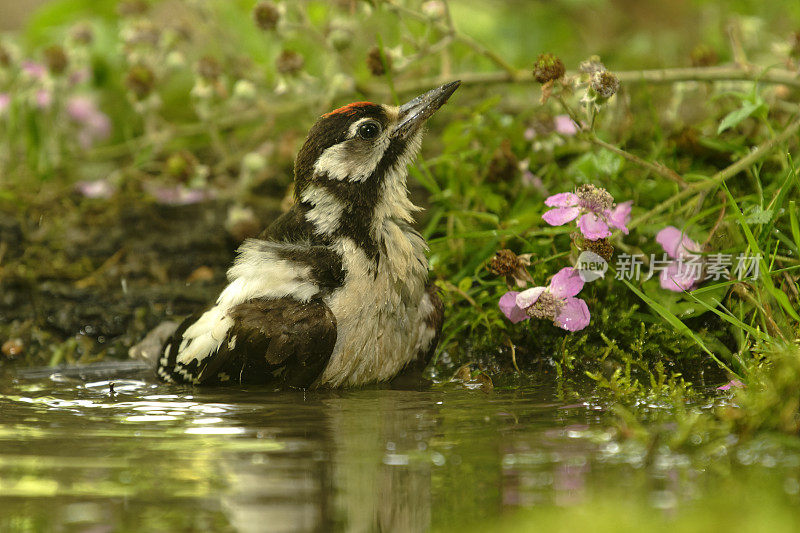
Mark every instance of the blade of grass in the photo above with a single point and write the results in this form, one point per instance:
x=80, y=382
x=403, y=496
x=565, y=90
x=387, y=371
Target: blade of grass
x=676, y=323
x=764, y=272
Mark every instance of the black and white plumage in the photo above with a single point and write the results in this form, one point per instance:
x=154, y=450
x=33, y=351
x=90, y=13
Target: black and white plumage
x=335, y=292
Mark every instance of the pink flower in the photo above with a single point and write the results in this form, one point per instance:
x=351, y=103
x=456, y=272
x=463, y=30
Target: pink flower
x=96, y=125
x=178, y=195
x=43, y=98
x=565, y=125
x=95, y=189
x=679, y=276
x=595, y=208
x=35, y=70
x=732, y=384
x=5, y=102
x=555, y=302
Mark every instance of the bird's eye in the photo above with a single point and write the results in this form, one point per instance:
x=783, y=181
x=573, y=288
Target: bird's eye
x=369, y=130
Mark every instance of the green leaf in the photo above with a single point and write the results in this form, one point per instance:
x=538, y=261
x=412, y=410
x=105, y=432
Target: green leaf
x=756, y=215
x=733, y=118
x=764, y=272
x=793, y=222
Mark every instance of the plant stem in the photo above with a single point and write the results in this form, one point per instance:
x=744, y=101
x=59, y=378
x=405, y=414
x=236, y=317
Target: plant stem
x=655, y=76
x=656, y=168
x=728, y=172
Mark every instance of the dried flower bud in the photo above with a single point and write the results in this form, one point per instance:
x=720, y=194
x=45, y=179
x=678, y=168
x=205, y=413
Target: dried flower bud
x=503, y=263
x=209, y=68
x=82, y=33
x=266, y=15
x=704, y=56
x=512, y=266
x=592, y=65
x=289, y=62
x=132, y=8
x=141, y=81
x=376, y=64
x=56, y=59
x=548, y=68
x=605, y=84
x=5, y=57
x=601, y=247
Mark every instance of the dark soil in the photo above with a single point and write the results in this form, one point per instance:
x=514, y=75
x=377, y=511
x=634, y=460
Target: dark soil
x=82, y=279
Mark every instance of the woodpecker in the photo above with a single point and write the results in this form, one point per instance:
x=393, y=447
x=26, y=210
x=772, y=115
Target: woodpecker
x=335, y=292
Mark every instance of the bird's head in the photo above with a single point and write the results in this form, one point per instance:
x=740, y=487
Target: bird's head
x=354, y=159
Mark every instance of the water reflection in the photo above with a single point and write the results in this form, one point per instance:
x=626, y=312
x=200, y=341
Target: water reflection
x=146, y=456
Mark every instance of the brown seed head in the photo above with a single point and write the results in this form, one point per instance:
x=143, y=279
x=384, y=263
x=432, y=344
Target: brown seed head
x=289, y=62
x=547, y=306
x=594, y=198
x=266, y=15
x=601, y=247
x=504, y=263
x=605, y=84
x=56, y=59
x=548, y=68
x=141, y=81
x=132, y=8
x=375, y=63
x=209, y=68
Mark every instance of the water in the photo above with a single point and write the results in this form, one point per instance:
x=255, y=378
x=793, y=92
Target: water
x=75, y=456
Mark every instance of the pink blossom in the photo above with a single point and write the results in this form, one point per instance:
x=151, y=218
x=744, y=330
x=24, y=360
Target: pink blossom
x=565, y=125
x=95, y=125
x=678, y=277
x=555, y=302
x=732, y=384
x=5, y=102
x=35, y=70
x=43, y=98
x=95, y=189
x=595, y=208
x=508, y=305
x=178, y=195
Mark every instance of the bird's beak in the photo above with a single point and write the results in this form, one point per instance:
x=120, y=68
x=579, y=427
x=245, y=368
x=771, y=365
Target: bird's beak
x=413, y=114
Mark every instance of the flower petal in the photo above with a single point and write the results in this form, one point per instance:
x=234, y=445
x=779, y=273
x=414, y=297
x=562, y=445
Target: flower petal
x=562, y=199
x=561, y=215
x=509, y=307
x=528, y=297
x=565, y=125
x=593, y=227
x=574, y=315
x=567, y=282
x=732, y=384
x=620, y=216
x=676, y=243
x=673, y=279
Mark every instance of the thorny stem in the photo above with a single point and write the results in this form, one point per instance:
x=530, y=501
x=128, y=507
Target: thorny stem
x=450, y=29
x=656, y=168
x=655, y=76
x=761, y=151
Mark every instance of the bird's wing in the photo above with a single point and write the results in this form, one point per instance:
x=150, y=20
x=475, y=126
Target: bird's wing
x=281, y=342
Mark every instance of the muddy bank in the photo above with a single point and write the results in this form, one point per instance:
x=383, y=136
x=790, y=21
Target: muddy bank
x=82, y=279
